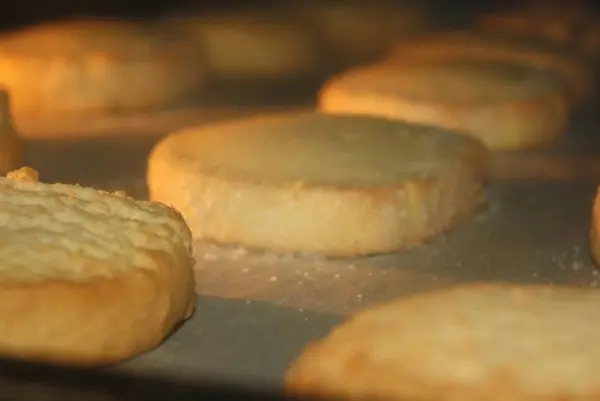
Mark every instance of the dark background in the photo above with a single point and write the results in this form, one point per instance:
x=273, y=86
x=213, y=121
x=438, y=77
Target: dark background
x=20, y=12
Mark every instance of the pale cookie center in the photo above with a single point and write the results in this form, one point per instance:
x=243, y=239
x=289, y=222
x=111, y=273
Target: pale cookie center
x=541, y=343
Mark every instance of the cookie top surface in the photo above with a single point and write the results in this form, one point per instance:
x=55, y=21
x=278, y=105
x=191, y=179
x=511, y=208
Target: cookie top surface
x=60, y=231
x=317, y=149
x=468, y=342
x=449, y=80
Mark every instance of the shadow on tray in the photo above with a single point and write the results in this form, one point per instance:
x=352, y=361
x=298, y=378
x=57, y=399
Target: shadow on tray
x=32, y=382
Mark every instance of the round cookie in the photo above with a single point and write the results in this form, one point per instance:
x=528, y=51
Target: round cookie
x=88, y=277
x=307, y=182
x=251, y=45
x=96, y=66
x=358, y=31
x=506, y=106
x=468, y=343
x=11, y=145
x=537, y=54
x=572, y=24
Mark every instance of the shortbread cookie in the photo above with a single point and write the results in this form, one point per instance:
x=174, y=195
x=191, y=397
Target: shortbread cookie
x=11, y=145
x=358, y=31
x=467, y=343
x=252, y=45
x=537, y=54
x=595, y=229
x=88, y=277
x=96, y=66
x=306, y=182
x=573, y=24
x=506, y=106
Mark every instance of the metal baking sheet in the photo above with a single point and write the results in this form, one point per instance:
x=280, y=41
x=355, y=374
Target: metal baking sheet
x=235, y=341
x=256, y=310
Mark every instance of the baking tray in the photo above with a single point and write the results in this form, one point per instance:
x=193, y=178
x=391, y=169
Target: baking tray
x=257, y=310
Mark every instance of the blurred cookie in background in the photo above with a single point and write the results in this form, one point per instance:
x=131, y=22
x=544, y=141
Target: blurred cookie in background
x=358, y=31
x=249, y=43
x=96, y=66
x=507, y=106
x=575, y=24
x=536, y=53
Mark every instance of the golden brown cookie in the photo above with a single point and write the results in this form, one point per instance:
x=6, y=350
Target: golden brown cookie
x=538, y=54
x=308, y=182
x=507, y=106
x=574, y=24
x=88, y=277
x=468, y=343
x=250, y=45
x=96, y=66
x=358, y=31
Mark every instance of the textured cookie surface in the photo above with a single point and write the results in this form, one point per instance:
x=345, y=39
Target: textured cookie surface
x=306, y=182
x=88, y=277
x=253, y=45
x=504, y=105
x=537, y=54
x=99, y=66
x=468, y=343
